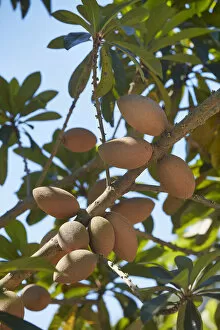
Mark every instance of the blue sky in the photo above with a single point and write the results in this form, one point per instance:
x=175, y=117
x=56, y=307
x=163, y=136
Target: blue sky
x=23, y=51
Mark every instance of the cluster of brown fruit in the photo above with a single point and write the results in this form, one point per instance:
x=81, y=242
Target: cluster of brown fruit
x=33, y=297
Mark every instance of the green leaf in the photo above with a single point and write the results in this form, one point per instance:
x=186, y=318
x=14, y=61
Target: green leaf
x=27, y=263
x=146, y=293
x=57, y=43
x=193, y=320
x=128, y=305
x=103, y=315
x=183, y=262
x=75, y=38
x=134, y=16
x=28, y=88
x=121, y=84
x=49, y=115
x=68, y=17
x=92, y=10
x=182, y=58
x=47, y=4
x=158, y=16
x=16, y=323
x=137, y=270
x=4, y=95
x=188, y=33
x=17, y=233
x=211, y=280
x=39, y=101
x=161, y=275
x=212, y=271
x=7, y=249
x=153, y=306
x=80, y=77
x=107, y=78
x=3, y=163
x=5, y=133
x=202, y=263
x=181, y=317
x=107, y=107
x=163, y=92
x=182, y=279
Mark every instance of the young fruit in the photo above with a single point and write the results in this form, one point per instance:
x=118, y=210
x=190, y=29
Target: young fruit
x=125, y=237
x=56, y=202
x=72, y=236
x=127, y=152
x=172, y=204
x=143, y=114
x=96, y=190
x=176, y=177
x=12, y=304
x=35, y=297
x=134, y=209
x=102, y=236
x=75, y=266
x=79, y=139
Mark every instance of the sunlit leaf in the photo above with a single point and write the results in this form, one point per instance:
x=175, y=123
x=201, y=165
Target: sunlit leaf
x=57, y=43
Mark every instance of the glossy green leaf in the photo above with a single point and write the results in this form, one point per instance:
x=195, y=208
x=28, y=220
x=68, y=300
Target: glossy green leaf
x=26, y=263
x=57, y=43
x=28, y=88
x=92, y=10
x=7, y=249
x=17, y=233
x=188, y=33
x=193, y=320
x=68, y=17
x=107, y=78
x=4, y=95
x=75, y=38
x=182, y=279
x=80, y=77
x=153, y=306
x=49, y=115
x=134, y=16
x=3, y=163
x=16, y=323
x=182, y=58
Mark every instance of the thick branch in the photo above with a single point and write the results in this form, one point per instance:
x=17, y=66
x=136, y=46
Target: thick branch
x=203, y=112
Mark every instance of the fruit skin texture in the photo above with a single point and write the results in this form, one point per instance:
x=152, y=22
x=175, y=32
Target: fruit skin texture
x=126, y=152
x=172, y=204
x=79, y=139
x=11, y=304
x=76, y=266
x=143, y=114
x=176, y=177
x=72, y=236
x=102, y=236
x=35, y=297
x=134, y=209
x=56, y=202
x=125, y=236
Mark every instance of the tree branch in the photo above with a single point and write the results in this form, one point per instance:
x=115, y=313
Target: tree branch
x=207, y=109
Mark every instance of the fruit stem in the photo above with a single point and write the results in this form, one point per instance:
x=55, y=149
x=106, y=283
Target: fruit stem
x=97, y=39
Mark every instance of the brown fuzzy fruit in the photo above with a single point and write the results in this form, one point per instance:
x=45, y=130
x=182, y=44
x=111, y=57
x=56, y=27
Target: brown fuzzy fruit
x=12, y=304
x=35, y=297
x=125, y=236
x=79, y=139
x=172, y=204
x=72, y=236
x=102, y=236
x=56, y=202
x=75, y=266
x=134, y=209
x=176, y=177
x=96, y=190
x=126, y=152
x=143, y=114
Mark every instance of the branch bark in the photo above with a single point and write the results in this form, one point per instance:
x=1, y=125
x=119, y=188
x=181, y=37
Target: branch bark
x=207, y=109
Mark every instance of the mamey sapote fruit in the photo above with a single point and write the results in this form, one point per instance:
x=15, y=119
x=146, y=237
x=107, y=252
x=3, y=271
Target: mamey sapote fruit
x=12, y=304
x=56, y=202
x=126, y=152
x=72, y=236
x=75, y=266
x=35, y=297
x=125, y=236
x=143, y=114
x=176, y=177
x=172, y=204
x=79, y=139
x=134, y=209
x=102, y=236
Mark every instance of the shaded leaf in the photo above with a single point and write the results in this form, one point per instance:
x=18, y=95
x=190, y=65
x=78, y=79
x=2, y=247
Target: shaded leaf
x=183, y=262
x=107, y=106
x=39, y=101
x=5, y=133
x=182, y=58
x=164, y=93
x=128, y=305
x=134, y=16
x=16, y=323
x=193, y=320
x=4, y=95
x=28, y=88
x=27, y=263
x=68, y=17
x=17, y=233
x=47, y=4
x=153, y=306
x=50, y=115
x=211, y=280
x=103, y=315
x=119, y=73
x=161, y=275
x=80, y=77
x=3, y=163
x=182, y=279
x=92, y=10
x=7, y=249
x=209, y=273
x=75, y=38
x=57, y=43
x=181, y=317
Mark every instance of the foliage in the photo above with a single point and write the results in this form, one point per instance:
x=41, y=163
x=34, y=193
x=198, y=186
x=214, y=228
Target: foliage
x=168, y=50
